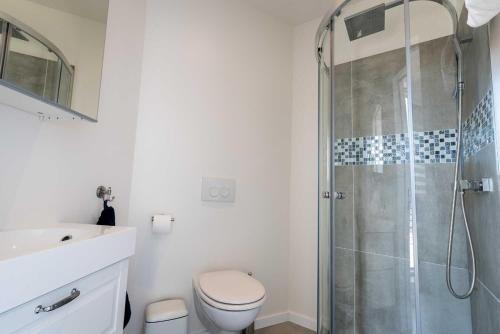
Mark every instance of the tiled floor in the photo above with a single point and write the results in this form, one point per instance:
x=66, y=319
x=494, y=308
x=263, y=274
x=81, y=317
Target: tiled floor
x=285, y=328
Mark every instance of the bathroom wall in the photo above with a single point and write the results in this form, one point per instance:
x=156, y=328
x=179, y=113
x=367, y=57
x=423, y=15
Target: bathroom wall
x=303, y=177
x=215, y=101
x=374, y=258
x=37, y=75
x=482, y=161
x=49, y=170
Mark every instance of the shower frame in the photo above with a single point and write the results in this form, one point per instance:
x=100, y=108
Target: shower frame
x=326, y=28
x=7, y=26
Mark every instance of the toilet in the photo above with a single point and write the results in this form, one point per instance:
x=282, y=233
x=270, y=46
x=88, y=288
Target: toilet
x=227, y=301
x=166, y=317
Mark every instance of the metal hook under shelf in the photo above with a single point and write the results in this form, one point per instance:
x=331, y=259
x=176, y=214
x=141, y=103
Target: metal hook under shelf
x=104, y=193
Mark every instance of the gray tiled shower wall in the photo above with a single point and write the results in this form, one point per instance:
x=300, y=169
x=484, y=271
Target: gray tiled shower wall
x=375, y=275
x=483, y=209
x=34, y=74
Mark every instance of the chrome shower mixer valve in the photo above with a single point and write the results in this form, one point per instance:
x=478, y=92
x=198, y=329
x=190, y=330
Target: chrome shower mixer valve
x=483, y=185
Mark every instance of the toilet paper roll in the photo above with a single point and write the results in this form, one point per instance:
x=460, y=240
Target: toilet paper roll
x=162, y=224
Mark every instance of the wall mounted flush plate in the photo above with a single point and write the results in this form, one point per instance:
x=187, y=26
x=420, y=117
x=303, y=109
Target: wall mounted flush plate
x=218, y=190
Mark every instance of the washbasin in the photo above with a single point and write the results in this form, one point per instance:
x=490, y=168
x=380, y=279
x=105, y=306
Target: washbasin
x=20, y=242
x=34, y=262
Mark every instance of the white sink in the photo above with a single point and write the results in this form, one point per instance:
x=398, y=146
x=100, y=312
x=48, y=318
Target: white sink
x=19, y=242
x=36, y=261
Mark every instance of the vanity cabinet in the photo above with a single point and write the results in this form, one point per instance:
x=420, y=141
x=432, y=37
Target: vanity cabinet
x=92, y=304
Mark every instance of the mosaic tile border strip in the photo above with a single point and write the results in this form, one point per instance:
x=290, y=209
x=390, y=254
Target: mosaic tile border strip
x=478, y=129
x=437, y=146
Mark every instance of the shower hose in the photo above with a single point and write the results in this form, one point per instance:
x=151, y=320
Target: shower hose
x=458, y=191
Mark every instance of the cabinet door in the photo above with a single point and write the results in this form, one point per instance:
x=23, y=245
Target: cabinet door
x=98, y=308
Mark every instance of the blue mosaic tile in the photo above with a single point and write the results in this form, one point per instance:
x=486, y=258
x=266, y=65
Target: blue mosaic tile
x=434, y=146
x=437, y=146
x=478, y=129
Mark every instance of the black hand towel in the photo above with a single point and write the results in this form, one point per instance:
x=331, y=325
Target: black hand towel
x=108, y=218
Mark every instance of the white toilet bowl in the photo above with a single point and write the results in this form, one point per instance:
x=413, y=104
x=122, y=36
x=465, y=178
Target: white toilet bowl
x=227, y=301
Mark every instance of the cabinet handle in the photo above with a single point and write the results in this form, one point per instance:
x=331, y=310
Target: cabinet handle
x=74, y=294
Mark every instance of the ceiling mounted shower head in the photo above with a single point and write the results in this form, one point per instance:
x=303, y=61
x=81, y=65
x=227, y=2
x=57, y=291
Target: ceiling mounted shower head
x=365, y=23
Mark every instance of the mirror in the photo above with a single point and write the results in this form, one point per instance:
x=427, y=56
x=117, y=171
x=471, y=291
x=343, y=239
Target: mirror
x=52, y=51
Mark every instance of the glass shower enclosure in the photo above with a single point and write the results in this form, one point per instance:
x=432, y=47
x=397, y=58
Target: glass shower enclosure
x=388, y=103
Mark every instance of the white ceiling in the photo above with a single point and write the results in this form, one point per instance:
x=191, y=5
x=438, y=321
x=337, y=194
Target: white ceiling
x=92, y=9
x=294, y=11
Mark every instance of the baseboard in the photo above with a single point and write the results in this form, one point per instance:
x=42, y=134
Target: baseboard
x=279, y=318
x=271, y=320
x=302, y=320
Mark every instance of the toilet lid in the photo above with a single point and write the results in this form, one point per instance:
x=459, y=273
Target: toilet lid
x=231, y=287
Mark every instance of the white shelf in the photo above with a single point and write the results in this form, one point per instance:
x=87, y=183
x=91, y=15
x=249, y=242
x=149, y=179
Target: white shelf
x=20, y=99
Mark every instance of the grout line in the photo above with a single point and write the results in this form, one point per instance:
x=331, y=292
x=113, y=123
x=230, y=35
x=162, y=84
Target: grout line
x=443, y=265
x=395, y=257
x=489, y=291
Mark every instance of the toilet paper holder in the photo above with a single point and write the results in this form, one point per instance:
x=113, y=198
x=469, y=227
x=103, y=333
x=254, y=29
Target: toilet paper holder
x=162, y=223
x=172, y=219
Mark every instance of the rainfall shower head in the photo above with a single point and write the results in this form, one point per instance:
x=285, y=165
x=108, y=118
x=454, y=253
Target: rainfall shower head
x=365, y=23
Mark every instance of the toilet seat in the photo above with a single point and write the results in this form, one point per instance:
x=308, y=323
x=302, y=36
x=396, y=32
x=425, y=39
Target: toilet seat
x=230, y=290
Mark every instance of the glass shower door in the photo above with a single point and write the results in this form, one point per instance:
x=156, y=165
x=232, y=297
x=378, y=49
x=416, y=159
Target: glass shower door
x=435, y=114
x=325, y=207
x=367, y=239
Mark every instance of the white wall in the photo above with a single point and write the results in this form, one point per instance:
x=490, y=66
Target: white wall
x=215, y=101
x=303, y=178
x=49, y=170
x=81, y=40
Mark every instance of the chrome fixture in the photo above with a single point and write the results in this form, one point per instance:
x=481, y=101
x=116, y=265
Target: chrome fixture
x=74, y=294
x=460, y=190
x=104, y=193
x=336, y=195
x=339, y=195
x=367, y=22
x=483, y=185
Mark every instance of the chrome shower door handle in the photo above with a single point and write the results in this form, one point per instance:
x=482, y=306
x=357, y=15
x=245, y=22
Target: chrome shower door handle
x=74, y=294
x=336, y=195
